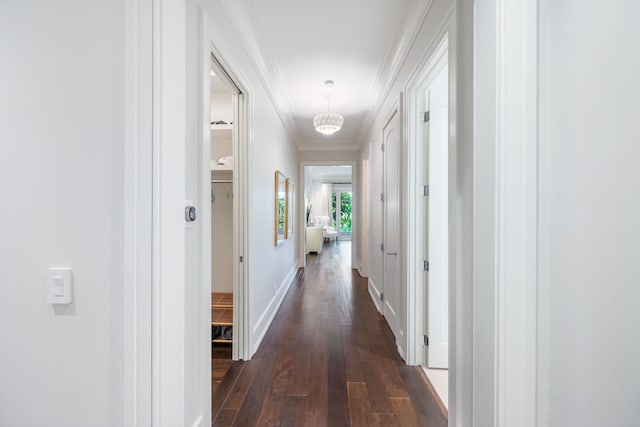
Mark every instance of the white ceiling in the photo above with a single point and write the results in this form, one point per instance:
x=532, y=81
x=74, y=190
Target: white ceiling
x=298, y=44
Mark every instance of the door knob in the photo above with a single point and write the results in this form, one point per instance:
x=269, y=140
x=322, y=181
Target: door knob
x=392, y=253
x=190, y=213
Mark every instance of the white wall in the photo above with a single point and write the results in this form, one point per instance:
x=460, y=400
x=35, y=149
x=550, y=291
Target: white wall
x=589, y=210
x=222, y=238
x=61, y=192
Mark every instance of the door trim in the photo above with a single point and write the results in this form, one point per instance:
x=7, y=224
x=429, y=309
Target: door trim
x=213, y=44
x=138, y=212
x=414, y=209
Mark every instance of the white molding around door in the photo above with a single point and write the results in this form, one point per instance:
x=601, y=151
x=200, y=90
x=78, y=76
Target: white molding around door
x=168, y=235
x=414, y=104
x=198, y=345
x=138, y=175
x=212, y=43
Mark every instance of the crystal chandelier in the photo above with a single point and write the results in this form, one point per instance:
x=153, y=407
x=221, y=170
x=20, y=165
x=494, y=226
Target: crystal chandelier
x=328, y=123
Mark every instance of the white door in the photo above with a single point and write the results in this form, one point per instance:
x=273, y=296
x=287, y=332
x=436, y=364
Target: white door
x=436, y=173
x=391, y=301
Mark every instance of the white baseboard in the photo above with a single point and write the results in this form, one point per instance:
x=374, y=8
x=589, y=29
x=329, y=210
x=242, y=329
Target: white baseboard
x=263, y=323
x=374, y=293
x=360, y=269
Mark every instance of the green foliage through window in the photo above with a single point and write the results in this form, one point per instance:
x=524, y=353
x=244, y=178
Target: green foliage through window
x=345, y=211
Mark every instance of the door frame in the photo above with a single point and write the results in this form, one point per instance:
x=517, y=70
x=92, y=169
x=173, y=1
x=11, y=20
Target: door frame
x=212, y=44
x=301, y=208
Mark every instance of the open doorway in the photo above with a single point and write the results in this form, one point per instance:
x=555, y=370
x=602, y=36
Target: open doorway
x=329, y=208
x=222, y=223
x=435, y=237
x=225, y=176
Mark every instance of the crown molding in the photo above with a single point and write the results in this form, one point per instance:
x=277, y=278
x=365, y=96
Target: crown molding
x=389, y=69
x=249, y=28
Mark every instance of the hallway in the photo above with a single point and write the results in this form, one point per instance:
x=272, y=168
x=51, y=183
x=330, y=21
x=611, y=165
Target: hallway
x=328, y=359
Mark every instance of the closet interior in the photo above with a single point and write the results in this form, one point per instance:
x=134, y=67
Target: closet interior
x=222, y=225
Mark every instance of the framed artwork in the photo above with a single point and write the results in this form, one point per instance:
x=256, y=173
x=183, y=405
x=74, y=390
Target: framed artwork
x=290, y=208
x=280, y=209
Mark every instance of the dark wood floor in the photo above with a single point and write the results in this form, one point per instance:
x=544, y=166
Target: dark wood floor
x=328, y=359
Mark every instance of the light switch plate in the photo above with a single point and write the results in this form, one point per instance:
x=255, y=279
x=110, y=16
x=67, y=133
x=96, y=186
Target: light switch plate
x=59, y=285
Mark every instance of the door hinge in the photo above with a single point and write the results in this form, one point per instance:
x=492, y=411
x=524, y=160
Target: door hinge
x=382, y=147
x=426, y=340
x=241, y=258
x=425, y=265
x=382, y=247
x=425, y=118
x=425, y=190
x=382, y=197
x=381, y=297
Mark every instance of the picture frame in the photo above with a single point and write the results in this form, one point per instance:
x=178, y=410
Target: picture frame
x=280, y=208
x=290, y=211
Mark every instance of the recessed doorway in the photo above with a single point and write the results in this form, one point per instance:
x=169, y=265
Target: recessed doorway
x=432, y=165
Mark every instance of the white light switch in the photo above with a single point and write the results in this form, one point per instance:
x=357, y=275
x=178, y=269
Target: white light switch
x=59, y=285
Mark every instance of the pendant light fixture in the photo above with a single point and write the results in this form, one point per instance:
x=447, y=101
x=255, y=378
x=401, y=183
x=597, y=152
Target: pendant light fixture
x=328, y=123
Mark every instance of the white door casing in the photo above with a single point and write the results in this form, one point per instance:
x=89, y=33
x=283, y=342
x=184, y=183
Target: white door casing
x=437, y=243
x=391, y=285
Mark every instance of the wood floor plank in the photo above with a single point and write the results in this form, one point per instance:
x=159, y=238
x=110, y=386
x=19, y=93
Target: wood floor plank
x=384, y=420
x=375, y=385
x=359, y=406
x=256, y=394
x=353, y=363
x=222, y=390
x=275, y=401
x=338, y=406
x=317, y=402
x=239, y=390
x=299, y=378
x=294, y=411
x=405, y=412
x=427, y=408
x=225, y=418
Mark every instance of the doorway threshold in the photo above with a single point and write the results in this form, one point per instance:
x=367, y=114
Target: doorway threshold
x=439, y=381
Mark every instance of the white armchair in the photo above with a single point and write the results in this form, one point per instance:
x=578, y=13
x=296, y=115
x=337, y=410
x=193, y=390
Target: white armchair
x=314, y=239
x=328, y=230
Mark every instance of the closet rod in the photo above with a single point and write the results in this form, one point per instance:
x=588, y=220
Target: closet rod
x=222, y=181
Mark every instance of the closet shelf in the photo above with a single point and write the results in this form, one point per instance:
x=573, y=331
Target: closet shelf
x=222, y=300
x=216, y=167
x=222, y=127
x=221, y=316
